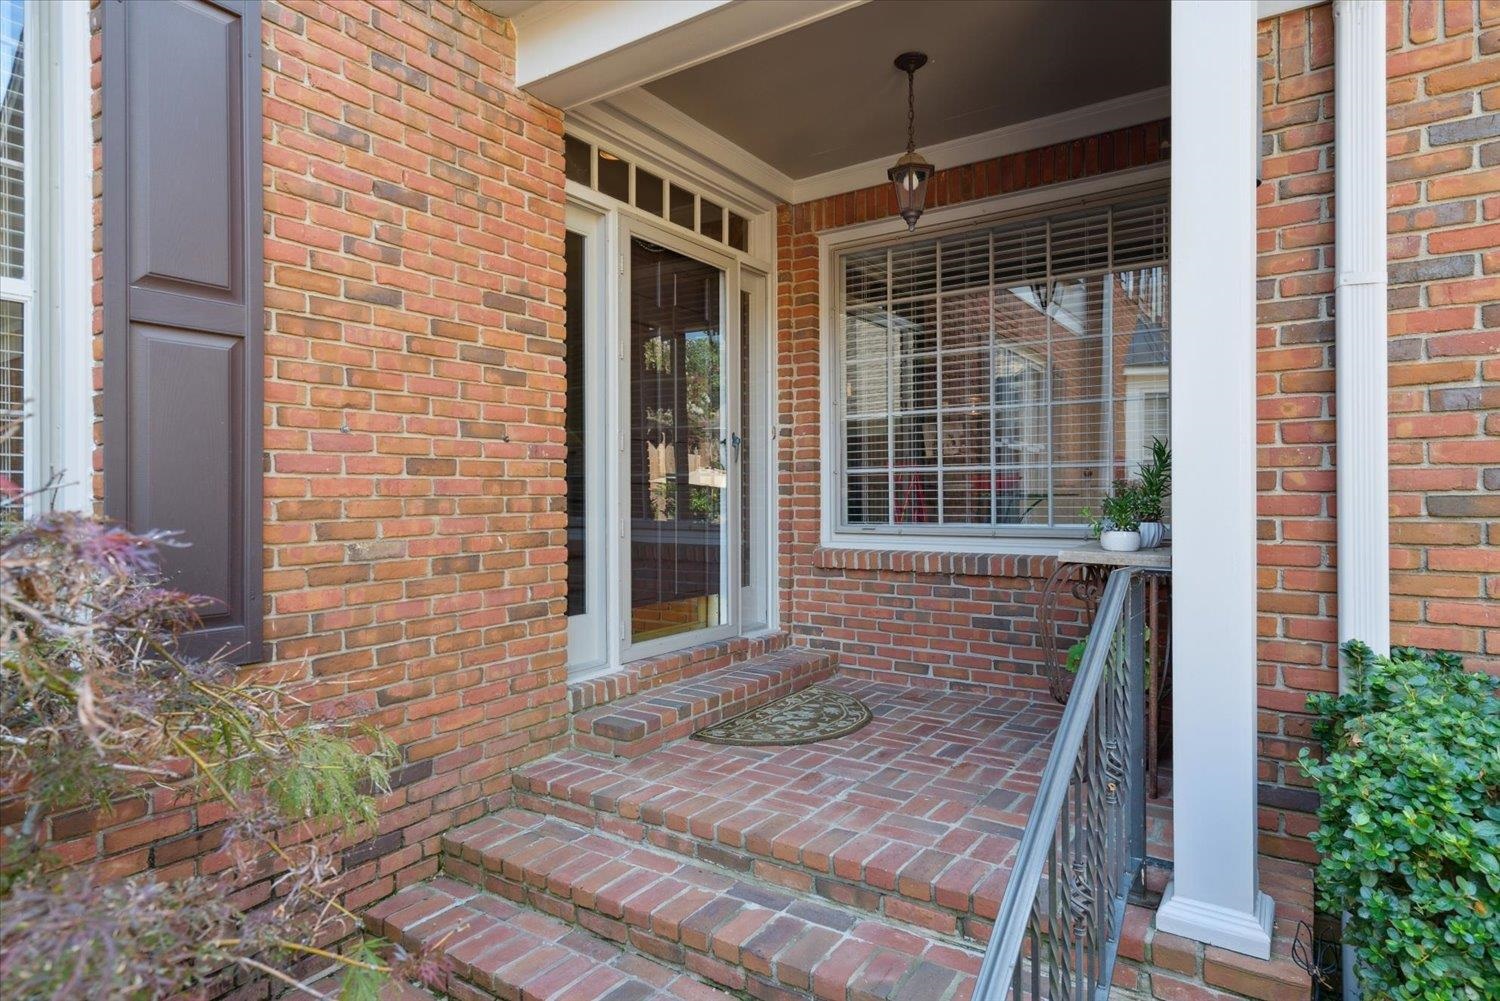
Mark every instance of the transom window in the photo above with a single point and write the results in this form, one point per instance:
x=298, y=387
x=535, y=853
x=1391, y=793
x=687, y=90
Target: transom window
x=985, y=373
x=611, y=174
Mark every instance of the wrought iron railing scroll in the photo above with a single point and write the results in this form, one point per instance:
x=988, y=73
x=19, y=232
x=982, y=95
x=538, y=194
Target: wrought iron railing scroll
x=1059, y=923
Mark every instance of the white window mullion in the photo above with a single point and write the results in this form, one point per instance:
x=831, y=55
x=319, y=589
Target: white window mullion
x=890, y=392
x=1047, y=379
x=994, y=443
x=937, y=399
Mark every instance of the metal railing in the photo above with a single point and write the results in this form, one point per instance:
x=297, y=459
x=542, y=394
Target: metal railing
x=1059, y=923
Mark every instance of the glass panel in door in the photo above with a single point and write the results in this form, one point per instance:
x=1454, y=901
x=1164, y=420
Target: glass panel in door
x=678, y=466
x=584, y=436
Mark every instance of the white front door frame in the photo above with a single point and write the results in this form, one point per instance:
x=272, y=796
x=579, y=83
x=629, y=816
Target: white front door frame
x=1215, y=895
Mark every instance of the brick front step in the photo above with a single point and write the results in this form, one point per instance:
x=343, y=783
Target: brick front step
x=638, y=724
x=916, y=818
x=494, y=949
x=736, y=933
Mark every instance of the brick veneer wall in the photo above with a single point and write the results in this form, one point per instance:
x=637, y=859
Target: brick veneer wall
x=1443, y=121
x=414, y=543
x=1443, y=93
x=1298, y=581
x=923, y=618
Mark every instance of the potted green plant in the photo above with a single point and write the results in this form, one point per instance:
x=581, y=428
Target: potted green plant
x=1119, y=528
x=1155, y=486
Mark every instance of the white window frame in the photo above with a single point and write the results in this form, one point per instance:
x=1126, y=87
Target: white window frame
x=969, y=215
x=57, y=290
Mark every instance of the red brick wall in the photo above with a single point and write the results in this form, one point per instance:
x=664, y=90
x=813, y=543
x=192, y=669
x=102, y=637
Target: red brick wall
x=1294, y=380
x=1443, y=90
x=414, y=544
x=1443, y=99
x=917, y=618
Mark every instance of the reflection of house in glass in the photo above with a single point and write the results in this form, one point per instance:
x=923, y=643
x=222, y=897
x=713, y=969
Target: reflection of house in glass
x=677, y=470
x=12, y=236
x=987, y=375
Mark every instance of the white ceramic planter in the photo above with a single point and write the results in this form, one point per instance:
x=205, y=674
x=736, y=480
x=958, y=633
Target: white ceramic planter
x=1151, y=534
x=1120, y=542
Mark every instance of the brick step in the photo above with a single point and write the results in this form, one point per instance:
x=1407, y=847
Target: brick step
x=861, y=853
x=635, y=725
x=494, y=949
x=739, y=934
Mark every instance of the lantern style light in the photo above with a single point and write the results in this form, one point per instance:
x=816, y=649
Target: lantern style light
x=911, y=173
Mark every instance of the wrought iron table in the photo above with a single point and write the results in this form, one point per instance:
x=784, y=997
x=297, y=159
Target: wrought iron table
x=1081, y=572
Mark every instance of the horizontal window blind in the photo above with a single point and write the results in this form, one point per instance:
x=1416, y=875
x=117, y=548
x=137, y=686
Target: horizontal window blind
x=989, y=376
x=16, y=361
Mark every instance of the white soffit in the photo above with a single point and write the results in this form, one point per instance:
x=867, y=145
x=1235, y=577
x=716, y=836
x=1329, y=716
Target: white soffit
x=572, y=52
x=826, y=96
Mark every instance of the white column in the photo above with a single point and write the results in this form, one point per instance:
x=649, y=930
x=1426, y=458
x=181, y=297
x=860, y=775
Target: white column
x=1364, y=558
x=1214, y=896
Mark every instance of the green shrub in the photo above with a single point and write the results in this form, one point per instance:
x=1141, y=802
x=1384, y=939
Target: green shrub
x=1410, y=812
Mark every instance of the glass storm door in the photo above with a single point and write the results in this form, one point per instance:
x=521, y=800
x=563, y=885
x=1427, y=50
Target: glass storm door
x=585, y=438
x=681, y=433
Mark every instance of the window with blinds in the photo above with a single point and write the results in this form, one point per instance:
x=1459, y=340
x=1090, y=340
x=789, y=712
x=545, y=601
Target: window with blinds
x=985, y=373
x=15, y=285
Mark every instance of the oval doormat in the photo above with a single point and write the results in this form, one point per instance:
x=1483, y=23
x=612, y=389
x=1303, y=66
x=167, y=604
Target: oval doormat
x=800, y=718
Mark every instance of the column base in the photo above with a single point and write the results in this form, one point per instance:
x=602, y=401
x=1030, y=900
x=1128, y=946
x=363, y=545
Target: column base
x=1237, y=931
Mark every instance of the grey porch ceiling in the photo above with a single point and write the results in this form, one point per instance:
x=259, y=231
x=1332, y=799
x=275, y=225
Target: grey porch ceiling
x=826, y=96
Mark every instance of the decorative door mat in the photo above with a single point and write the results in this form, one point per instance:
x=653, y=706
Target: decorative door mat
x=803, y=717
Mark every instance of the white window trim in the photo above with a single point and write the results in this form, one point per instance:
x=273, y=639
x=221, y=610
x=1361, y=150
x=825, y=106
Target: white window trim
x=57, y=291
x=832, y=243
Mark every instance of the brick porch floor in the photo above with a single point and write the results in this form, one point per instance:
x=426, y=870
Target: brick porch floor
x=870, y=866
x=918, y=815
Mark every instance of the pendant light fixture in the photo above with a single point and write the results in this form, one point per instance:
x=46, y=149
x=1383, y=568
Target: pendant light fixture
x=911, y=173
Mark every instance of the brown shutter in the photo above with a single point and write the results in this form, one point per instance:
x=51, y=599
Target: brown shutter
x=182, y=297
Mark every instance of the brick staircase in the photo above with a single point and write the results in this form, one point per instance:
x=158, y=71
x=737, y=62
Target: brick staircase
x=638, y=724
x=857, y=869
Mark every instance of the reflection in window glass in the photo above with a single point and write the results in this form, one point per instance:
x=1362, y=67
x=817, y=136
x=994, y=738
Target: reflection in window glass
x=682, y=206
x=678, y=474
x=614, y=176
x=573, y=423
x=12, y=140
x=710, y=219
x=13, y=347
x=578, y=159
x=746, y=446
x=12, y=386
x=739, y=234
x=648, y=191
x=1005, y=375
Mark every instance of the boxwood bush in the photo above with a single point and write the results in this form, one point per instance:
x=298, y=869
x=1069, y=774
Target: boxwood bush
x=1410, y=833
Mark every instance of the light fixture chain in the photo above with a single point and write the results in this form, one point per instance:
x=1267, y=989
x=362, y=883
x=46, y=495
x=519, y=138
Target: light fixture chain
x=911, y=111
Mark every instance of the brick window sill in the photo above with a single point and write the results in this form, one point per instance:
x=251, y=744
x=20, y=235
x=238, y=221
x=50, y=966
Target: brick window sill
x=940, y=563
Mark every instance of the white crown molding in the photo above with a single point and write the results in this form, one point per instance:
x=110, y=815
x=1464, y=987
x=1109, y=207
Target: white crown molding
x=1091, y=119
x=646, y=124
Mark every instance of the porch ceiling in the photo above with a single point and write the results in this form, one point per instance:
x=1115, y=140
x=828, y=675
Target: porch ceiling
x=826, y=96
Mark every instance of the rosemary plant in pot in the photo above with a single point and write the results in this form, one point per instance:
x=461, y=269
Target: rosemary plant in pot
x=1155, y=487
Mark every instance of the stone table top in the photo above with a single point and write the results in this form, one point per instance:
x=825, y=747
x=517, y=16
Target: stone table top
x=1159, y=558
